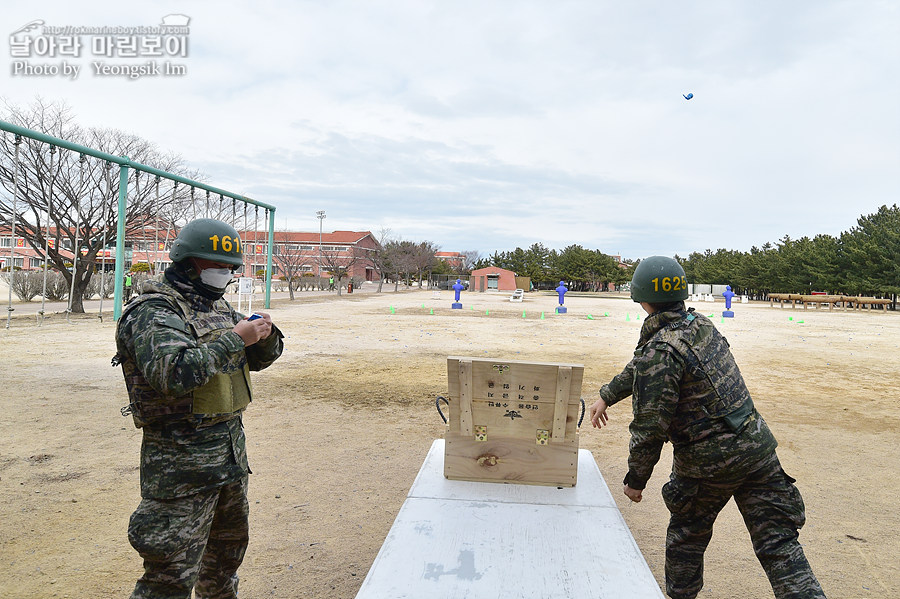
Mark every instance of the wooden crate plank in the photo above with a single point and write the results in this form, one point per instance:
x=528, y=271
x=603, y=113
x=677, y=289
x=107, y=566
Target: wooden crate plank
x=591, y=490
x=465, y=397
x=563, y=387
x=511, y=460
x=520, y=419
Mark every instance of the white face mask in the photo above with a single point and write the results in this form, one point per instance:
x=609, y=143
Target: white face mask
x=217, y=278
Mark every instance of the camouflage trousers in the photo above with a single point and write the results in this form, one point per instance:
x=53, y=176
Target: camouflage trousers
x=194, y=542
x=773, y=512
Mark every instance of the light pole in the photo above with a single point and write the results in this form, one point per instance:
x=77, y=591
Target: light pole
x=320, y=214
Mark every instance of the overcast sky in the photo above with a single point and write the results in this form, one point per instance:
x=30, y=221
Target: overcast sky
x=489, y=125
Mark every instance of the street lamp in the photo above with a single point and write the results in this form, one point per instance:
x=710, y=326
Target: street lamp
x=320, y=214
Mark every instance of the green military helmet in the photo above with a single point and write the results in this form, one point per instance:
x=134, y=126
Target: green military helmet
x=658, y=280
x=209, y=239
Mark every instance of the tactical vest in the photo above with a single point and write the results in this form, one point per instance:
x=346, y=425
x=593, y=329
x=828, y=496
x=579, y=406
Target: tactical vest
x=220, y=395
x=712, y=391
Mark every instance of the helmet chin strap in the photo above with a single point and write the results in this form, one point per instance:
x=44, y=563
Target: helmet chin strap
x=191, y=268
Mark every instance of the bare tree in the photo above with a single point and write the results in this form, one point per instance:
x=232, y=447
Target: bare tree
x=381, y=258
x=75, y=196
x=470, y=257
x=390, y=262
x=422, y=258
x=407, y=259
x=404, y=260
x=290, y=260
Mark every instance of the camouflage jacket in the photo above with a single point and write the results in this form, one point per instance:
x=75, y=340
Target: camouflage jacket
x=686, y=388
x=171, y=344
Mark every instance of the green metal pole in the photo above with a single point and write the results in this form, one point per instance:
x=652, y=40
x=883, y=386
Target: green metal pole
x=125, y=164
x=120, y=240
x=269, y=258
x=55, y=141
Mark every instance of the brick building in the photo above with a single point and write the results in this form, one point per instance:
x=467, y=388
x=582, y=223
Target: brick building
x=354, y=250
x=306, y=251
x=492, y=278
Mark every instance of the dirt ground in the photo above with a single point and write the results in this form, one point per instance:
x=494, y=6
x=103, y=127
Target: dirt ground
x=343, y=420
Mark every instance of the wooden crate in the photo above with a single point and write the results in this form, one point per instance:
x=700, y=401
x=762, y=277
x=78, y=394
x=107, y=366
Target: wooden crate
x=512, y=421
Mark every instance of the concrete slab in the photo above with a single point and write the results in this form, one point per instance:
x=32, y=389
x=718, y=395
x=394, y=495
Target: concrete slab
x=460, y=539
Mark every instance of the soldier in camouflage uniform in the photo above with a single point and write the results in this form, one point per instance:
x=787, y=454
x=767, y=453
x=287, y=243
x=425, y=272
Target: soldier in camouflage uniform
x=687, y=389
x=186, y=356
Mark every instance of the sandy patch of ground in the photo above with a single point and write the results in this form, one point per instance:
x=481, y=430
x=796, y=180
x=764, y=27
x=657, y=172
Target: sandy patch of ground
x=343, y=421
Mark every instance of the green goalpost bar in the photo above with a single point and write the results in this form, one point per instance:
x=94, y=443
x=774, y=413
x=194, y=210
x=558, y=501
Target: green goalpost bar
x=124, y=164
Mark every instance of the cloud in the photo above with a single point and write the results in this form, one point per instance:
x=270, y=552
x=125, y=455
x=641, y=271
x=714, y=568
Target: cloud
x=476, y=126
x=430, y=185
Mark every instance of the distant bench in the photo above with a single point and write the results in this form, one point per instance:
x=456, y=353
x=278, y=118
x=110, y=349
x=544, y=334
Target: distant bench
x=853, y=301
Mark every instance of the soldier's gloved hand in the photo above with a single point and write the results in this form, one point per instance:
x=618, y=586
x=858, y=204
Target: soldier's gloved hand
x=252, y=331
x=598, y=413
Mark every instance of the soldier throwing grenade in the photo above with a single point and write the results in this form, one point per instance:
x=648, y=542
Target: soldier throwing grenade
x=686, y=388
x=186, y=356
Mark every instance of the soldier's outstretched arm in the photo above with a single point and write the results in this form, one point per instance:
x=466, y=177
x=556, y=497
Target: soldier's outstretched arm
x=656, y=391
x=616, y=390
x=620, y=386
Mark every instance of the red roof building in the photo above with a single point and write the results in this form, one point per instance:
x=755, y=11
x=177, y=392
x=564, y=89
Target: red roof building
x=454, y=260
x=307, y=252
x=310, y=253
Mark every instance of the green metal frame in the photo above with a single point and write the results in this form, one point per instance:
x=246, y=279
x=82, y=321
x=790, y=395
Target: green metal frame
x=124, y=164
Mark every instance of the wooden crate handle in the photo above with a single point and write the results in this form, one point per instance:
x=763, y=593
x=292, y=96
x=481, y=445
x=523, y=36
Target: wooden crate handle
x=561, y=409
x=465, y=398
